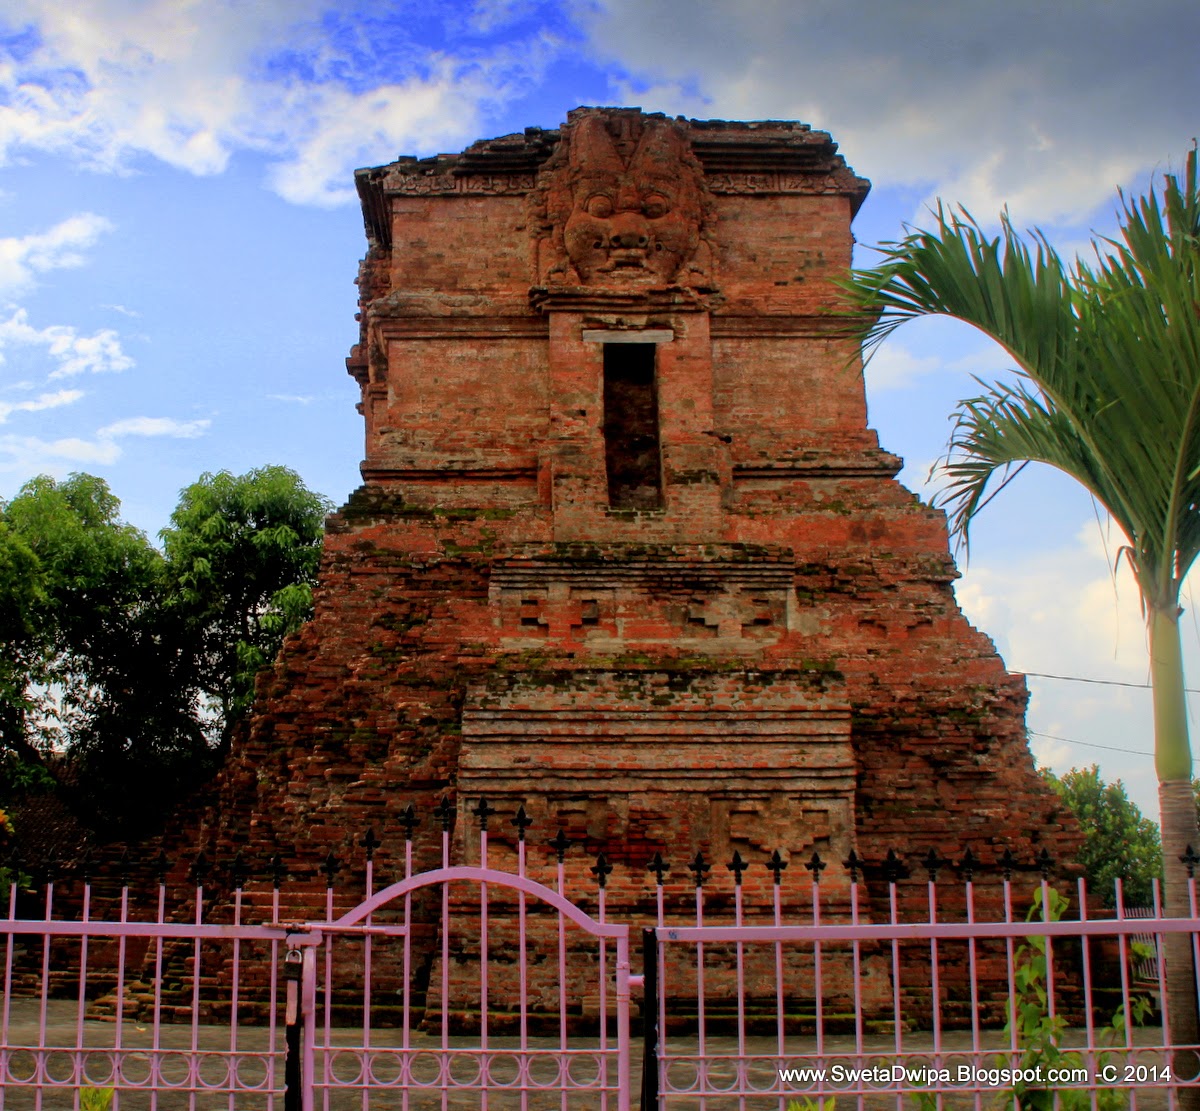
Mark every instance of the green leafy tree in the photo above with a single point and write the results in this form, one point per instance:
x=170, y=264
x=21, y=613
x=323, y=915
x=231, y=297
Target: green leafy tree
x=122, y=671
x=22, y=597
x=1119, y=841
x=1108, y=392
x=243, y=552
x=94, y=694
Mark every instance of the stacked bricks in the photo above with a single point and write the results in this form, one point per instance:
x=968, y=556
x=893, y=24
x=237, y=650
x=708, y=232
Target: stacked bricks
x=763, y=653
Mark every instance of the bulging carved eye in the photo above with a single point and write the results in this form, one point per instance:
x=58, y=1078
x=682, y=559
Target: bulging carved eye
x=599, y=205
x=656, y=205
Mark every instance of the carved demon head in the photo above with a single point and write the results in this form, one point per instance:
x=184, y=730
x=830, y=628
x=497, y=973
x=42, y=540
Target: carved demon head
x=629, y=215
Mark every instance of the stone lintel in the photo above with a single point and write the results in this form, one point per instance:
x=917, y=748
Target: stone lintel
x=628, y=335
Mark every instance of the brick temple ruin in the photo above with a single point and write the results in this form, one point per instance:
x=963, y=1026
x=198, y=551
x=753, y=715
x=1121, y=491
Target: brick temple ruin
x=627, y=553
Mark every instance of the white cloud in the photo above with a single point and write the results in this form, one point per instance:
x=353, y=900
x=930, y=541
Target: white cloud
x=43, y=401
x=23, y=257
x=191, y=83
x=933, y=95
x=154, y=426
x=1065, y=605
x=70, y=352
x=26, y=455
x=342, y=129
x=1056, y=612
x=893, y=367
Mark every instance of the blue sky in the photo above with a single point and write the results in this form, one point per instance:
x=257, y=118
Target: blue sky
x=179, y=236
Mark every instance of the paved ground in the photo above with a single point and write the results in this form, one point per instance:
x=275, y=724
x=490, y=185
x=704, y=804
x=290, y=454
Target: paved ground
x=254, y=1065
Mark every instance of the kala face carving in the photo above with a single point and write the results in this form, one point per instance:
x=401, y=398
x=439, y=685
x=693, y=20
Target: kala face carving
x=624, y=208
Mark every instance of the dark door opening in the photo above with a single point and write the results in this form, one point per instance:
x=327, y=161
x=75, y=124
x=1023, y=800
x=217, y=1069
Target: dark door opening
x=631, y=447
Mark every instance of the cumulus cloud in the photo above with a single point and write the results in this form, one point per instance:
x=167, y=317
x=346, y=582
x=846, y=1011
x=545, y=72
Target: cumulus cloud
x=319, y=90
x=893, y=366
x=1041, y=106
x=935, y=96
x=154, y=426
x=70, y=353
x=342, y=129
x=24, y=257
x=26, y=455
x=36, y=404
x=1062, y=612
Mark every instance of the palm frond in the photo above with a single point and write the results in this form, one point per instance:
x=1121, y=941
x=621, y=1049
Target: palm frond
x=1109, y=358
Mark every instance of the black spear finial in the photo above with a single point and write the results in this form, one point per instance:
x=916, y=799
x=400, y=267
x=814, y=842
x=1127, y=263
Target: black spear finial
x=932, y=862
x=277, y=871
x=409, y=820
x=659, y=867
x=699, y=869
x=238, y=872
x=560, y=843
x=601, y=870
x=854, y=864
x=330, y=868
x=967, y=865
x=370, y=843
x=200, y=869
x=522, y=821
x=893, y=866
x=737, y=866
x=777, y=865
x=816, y=866
x=1045, y=863
x=14, y=867
x=444, y=812
x=1008, y=863
x=483, y=812
x=161, y=867
x=1189, y=860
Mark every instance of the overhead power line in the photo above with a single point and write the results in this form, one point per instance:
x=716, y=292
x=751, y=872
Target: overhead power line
x=1088, y=744
x=1098, y=682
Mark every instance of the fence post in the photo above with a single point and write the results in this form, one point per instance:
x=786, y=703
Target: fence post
x=650, y=1011
x=291, y=1069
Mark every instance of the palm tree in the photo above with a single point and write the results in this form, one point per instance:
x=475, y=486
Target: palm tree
x=1107, y=391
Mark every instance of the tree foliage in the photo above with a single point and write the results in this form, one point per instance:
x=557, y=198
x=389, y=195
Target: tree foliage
x=1118, y=841
x=243, y=553
x=123, y=668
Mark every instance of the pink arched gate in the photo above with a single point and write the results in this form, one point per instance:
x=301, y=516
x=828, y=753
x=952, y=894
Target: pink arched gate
x=461, y=987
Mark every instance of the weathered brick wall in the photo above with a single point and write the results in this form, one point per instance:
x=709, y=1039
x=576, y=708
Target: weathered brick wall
x=771, y=658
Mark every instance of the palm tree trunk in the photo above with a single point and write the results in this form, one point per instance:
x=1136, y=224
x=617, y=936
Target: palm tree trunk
x=1173, y=762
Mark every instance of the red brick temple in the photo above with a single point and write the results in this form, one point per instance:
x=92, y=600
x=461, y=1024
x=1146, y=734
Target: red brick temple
x=627, y=552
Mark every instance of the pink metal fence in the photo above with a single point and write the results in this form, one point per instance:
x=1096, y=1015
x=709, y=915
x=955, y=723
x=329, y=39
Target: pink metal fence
x=509, y=1050
x=505, y=984
x=1076, y=1028
x=59, y=974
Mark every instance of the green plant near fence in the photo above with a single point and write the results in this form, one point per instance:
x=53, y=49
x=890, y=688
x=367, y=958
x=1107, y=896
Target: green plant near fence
x=1039, y=1034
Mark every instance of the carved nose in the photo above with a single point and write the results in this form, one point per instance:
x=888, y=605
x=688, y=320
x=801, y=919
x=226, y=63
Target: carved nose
x=628, y=240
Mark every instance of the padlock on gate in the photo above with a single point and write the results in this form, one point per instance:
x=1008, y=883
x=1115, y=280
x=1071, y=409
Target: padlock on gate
x=292, y=962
